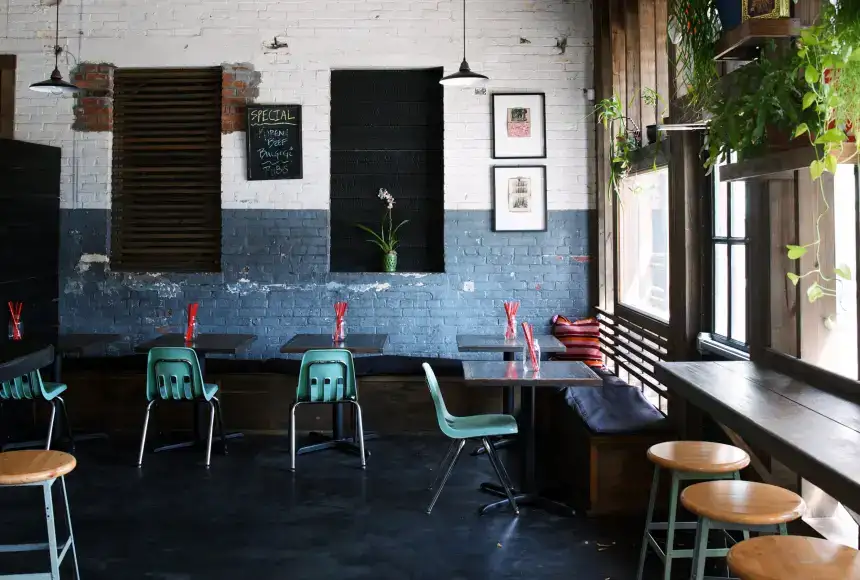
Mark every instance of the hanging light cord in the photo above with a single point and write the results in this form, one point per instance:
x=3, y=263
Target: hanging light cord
x=57, y=49
x=464, y=29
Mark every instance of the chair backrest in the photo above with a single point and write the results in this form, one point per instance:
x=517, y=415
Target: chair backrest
x=28, y=386
x=327, y=376
x=442, y=414
x=173, y=373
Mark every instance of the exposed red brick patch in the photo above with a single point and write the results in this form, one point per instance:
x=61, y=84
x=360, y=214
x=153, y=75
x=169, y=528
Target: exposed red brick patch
x=94, y=103
x=581, y=259
x=240, y=85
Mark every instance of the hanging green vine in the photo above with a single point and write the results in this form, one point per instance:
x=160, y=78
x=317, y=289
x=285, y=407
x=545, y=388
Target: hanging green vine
x=610, y=113
x=696, y=28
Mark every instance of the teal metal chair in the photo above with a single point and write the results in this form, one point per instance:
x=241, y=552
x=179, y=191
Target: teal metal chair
x=327, y=376
x=30, y=387
x=173, y=374
x=459, y=429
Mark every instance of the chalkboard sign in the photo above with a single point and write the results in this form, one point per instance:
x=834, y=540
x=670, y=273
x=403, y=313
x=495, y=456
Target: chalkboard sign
x=274, y=142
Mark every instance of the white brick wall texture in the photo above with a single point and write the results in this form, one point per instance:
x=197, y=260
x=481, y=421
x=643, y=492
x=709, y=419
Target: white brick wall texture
x=322, y=35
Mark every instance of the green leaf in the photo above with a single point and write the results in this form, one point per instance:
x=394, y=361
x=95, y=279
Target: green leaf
x=816, y=168
x=830, y=163
x=808, y=100
x=814, y=292
x=808, y=38
x=795, y=252
x=843, y=271
x=811, y=75
x=793, y=277
x=801, y=129
x=832, y=136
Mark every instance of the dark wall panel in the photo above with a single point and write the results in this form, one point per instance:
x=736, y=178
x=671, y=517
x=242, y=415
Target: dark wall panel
x=29, y=235
x=386, y=132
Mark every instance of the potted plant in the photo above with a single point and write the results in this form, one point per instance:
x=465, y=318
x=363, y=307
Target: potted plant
x=386, y=239
x=611, y=115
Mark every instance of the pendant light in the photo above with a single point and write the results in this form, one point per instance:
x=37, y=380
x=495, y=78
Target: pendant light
x=464, y=77
x=55, y=85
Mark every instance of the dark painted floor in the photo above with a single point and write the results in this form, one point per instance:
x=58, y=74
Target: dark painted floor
x=248, y=517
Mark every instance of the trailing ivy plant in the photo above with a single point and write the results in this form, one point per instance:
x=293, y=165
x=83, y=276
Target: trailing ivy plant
x=610, y=113
x=696, y=30
x=829, y=54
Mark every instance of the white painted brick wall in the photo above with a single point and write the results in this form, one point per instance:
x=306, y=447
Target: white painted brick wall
x=322, y=35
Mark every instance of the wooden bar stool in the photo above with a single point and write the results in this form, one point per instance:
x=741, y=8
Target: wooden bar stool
x=42, y=468
x=687, y=461
x=737, y=505
x=793, y=558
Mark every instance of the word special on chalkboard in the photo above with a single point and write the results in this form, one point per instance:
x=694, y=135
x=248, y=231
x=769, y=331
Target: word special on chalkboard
x=274, y=142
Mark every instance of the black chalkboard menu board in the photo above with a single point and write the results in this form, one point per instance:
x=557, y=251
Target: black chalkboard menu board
x=274, y=142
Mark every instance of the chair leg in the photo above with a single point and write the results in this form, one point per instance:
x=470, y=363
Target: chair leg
x=143, y=436
x=52, y=531
x=360, y=427
x=219, y=416
x=436, y=495
x=293, y=437
x=442, y=464
x=504, y=472
x=652, y=502
x=211, y=432
x=71, y=533
x=701, y=549
x=51, y=425
x=67, y=424
x=503, y=479
x=670, y=531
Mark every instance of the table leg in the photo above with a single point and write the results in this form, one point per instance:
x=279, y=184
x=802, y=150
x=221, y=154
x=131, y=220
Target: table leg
x=338, y=440
x=508, y=404
x=528, y=495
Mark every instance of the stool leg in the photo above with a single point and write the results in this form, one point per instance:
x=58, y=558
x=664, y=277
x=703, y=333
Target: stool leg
x=783, y=529
x=701, y=550
x=52, y=531
x=51, y=425
x=746, y=533
x=670, y=530
x=71, y=534
x=655, y=483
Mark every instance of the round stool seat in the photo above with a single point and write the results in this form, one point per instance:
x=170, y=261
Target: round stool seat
x=698, y=456
x=21, y=467
x=793, y=558
x=743, y=502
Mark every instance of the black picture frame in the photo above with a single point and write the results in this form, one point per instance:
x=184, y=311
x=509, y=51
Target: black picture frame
x=542, y=138
x=496, y=209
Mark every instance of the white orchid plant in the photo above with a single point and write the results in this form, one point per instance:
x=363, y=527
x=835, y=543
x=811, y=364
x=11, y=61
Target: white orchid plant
x=386, y=239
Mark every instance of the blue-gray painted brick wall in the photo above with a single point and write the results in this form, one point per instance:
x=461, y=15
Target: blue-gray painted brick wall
x=275, y=283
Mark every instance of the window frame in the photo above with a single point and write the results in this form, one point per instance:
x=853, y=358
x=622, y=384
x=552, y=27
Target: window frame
x=713, y=241
x=649, y=161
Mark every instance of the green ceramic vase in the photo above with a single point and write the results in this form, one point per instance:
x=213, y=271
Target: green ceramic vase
x=389, y=261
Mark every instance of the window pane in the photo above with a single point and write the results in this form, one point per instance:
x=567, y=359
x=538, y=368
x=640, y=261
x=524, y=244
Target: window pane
x=721, y=208
x=739, y=209
x=721, y=289
x=643, y=243
x=838, y=350
x=739, y=292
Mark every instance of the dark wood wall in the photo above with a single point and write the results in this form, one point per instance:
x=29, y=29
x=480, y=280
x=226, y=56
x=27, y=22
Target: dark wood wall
x=7, y=95
x=29, y=235
x=386, y=132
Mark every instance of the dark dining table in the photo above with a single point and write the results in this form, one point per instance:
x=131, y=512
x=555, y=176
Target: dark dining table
x=78, y=344
x=204, y=344
x=494, y=343
x=512, y=374
x=356, y=344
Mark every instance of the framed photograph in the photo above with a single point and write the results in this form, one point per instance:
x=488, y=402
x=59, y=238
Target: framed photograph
x=519, y=126
x=519, y=198
x=766, y=9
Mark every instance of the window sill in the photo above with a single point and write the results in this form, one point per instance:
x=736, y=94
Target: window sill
x=708, y=345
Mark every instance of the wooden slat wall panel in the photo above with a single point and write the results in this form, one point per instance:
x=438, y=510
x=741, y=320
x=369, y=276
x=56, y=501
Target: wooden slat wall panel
x=8, y=64
x=166, y=196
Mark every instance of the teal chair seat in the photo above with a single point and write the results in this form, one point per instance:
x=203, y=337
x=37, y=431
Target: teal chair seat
x=53, y=389
x=459, y=429
x=173, y=374
x=477, y=426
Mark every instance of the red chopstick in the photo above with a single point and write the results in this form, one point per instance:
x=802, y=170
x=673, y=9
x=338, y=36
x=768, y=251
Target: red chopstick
x=528, y=331
x=192, y=316
x=15, y=311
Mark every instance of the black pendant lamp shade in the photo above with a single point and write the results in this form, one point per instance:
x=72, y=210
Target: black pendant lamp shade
x=464, y=77
x=55, y=85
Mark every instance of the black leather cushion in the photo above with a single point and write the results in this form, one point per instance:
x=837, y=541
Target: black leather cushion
x=615, y=408
x=133, y=363
x=397, y=365
x=282, y=366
